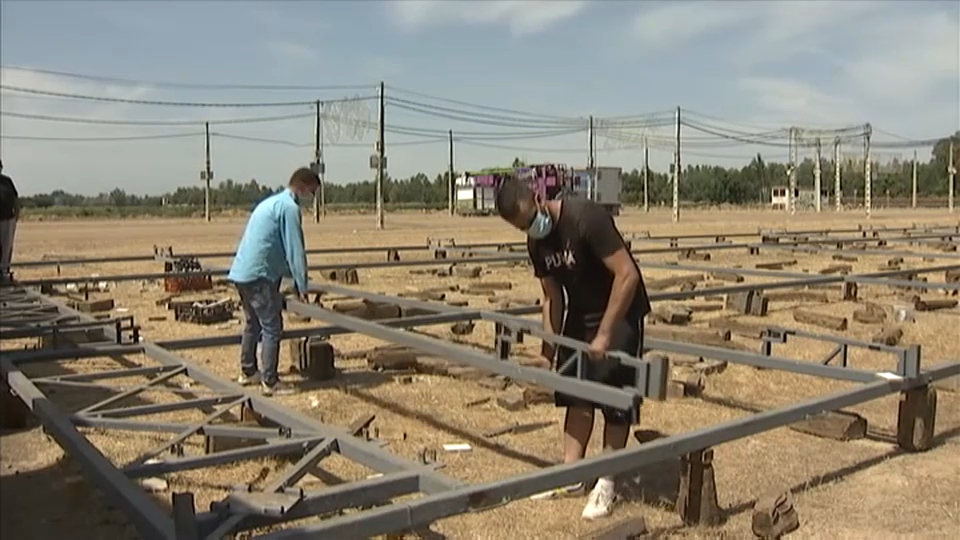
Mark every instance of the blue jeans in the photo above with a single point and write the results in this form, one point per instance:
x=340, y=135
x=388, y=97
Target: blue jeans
x=263, y=310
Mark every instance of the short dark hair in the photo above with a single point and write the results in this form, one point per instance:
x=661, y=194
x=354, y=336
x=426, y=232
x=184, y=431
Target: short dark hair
x=304, y=176
x=510, y=195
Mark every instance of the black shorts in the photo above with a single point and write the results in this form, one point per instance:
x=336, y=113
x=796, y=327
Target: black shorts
x=627, y=338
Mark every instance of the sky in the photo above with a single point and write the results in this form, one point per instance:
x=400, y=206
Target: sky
x=539, y=67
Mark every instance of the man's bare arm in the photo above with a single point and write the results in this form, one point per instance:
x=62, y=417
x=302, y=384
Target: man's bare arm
x=553, y=308
x=622, y=291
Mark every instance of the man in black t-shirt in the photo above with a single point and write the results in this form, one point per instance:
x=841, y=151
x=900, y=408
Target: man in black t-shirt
x=9, y=212
x=577, y=252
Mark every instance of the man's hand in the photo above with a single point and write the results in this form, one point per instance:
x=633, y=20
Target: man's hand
x=599, y=346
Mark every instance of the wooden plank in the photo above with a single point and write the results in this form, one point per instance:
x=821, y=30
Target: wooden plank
x=820, y=319
x=838, y=425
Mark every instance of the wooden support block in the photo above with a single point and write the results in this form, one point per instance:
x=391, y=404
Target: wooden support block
x=392, y=360
x=685, y=383
x=347, y=276
x=393, y=255
x=490, y=286
x=497, y=383
x=849, y=292
x=820, y=319
x=429, y=365
x=672, y=314
x=774, y=516
x=753, y=250
x=870, y=313
x=740, y=302
x=704, y=308
x=414, y=311
x=427, y=295
x=93, y=306
x=842, y=269
x=693, y=255
x=708, y=366
x=895, y=262
x=749, y=330
x=797, y=296
x=845, y=258
x=351, y=306
x=778, y=265
x=467, y=271
x=916, y=419
x=697, y=501
x=952, y=276
x=687, y=286
x=632, y=528
x=888, y=336
x=361, y=425
x=462, y=328
x=700, y=336
x=534, y=394
x=759, y=306
x=933, y=305
x=676, y=281
x=465, y=373
x=727, y=276
x=839, y=426
x=512, y=400
x=212, y=444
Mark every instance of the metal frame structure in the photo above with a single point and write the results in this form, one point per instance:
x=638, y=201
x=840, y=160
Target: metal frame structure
x=72, y=335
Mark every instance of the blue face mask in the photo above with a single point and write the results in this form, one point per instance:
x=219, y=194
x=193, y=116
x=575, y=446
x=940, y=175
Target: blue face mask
x=541, y=226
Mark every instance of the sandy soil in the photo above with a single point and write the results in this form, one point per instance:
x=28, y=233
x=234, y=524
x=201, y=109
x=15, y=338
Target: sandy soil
x=860, y=489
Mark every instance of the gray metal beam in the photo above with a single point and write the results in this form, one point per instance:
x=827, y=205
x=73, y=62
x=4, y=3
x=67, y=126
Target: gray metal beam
x=151, y=522
x=596, y=392
x=426, y=510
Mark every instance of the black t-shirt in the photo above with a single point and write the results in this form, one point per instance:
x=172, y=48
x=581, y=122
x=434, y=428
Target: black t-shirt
x=582, y=236
x=8, y=197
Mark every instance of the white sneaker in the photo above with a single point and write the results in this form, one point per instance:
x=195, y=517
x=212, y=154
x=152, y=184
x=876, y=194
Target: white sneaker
x=278, y=389
x=243, y=380
x=600, y=502
x=573, y=490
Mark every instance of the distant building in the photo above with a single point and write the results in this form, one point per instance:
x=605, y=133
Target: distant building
x=806, y=198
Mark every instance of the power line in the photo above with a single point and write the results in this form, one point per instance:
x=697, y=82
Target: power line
x=477, y=106
x=189, y=86
x=100, y=121
x=102, y=139
x=67, y=95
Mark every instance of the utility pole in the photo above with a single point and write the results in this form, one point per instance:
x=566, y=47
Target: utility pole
x=318, y=161
x=951, y=176
x=867, y=179
x=450, y=182
x=676, y=172
x=206, y=174
x=913, y=198
x=381, y=157
x=793, y=172
x=837, y=190
x=646, y=176
x=817, y=187
x=591, y=162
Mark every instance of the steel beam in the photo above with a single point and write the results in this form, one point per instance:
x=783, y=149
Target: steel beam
x=426, y=510
x=589, y=390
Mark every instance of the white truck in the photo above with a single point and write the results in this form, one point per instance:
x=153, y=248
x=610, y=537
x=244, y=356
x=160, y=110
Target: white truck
x=601, y=185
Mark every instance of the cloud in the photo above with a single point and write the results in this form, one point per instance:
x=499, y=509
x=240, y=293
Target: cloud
x=681, y=22
x=40, y=104
x=908, y=68
x=286, y=51
x=780, y=99
x=523, y=17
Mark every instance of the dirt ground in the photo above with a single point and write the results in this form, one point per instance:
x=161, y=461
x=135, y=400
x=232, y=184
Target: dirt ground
x=862, y=489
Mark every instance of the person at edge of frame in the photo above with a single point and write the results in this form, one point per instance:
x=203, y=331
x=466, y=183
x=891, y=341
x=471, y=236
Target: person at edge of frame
x=271, y=249
x=576, y=249
x=9, y=214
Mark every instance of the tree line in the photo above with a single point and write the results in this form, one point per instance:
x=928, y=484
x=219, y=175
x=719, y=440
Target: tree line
x=700, y=184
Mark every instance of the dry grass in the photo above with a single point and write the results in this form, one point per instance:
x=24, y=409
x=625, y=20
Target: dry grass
x=853, y=490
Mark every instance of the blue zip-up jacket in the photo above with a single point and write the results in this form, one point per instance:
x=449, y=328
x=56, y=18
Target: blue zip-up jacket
x=272, y=244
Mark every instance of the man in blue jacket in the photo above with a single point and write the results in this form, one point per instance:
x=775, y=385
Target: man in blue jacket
x=271, y=249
